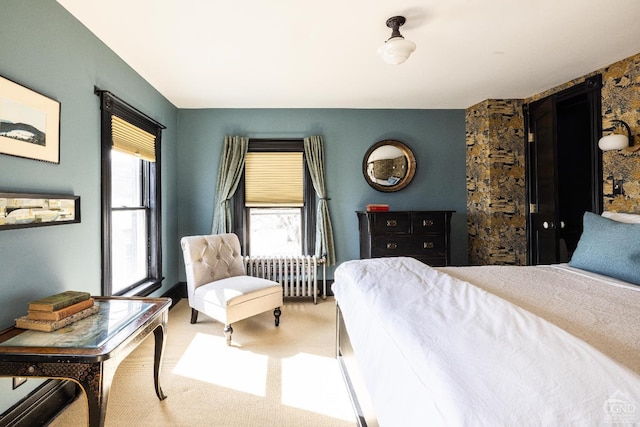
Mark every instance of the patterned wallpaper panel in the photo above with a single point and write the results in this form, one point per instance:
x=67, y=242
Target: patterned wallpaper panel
x=495, y=182
x=496, y=192
x=621, y=101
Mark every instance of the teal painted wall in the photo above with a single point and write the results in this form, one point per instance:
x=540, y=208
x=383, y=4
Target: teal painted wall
x=437, y=138
x=44, y=48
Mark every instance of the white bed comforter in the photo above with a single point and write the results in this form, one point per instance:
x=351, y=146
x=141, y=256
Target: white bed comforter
x=434, y=350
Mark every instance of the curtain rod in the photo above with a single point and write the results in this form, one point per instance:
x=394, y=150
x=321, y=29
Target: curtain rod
x=276, y=144
x=99, y=92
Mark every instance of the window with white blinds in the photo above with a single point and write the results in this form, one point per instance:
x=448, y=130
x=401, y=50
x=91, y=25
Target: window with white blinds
x=131, y=221
x=274, y=179
x=274, y=205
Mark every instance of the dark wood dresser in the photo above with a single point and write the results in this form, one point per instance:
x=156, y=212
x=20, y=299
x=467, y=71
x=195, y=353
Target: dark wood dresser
x=423, y=235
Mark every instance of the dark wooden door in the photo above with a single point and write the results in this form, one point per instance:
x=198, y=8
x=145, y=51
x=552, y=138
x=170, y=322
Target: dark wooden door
x=564, y=169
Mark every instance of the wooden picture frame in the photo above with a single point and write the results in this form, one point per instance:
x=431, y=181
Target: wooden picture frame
x=23, y=210
x=29, y=123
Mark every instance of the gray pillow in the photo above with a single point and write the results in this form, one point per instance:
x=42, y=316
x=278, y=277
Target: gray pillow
x=609, y=247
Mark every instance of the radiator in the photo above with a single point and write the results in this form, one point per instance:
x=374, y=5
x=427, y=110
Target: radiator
x=298, y=275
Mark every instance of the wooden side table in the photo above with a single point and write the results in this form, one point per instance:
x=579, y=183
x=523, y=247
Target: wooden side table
x=89, y=351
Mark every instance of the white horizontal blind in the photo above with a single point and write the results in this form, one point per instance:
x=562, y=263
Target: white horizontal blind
x=130, y=139
x=274, y=179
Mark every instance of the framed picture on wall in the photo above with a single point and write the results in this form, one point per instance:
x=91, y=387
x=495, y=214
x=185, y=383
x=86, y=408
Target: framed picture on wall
x=29, y=123
x=20, y=210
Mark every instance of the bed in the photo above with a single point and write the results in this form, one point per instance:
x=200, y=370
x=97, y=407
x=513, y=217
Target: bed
x=496, y=345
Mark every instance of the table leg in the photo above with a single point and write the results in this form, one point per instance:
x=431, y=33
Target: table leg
x=159, y=334
x=96, y=386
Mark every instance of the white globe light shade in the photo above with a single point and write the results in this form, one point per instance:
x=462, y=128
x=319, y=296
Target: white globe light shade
x=614, y=141
x=396, y=50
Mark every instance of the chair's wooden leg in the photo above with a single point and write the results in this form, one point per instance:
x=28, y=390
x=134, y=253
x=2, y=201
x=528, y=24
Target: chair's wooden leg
x=228, y=330
x=277, y=313
x=194, y=316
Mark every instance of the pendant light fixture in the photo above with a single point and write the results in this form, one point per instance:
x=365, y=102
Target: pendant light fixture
x=396, y=49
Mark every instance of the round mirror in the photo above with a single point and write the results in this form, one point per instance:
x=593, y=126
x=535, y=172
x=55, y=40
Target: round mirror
x=389, y=165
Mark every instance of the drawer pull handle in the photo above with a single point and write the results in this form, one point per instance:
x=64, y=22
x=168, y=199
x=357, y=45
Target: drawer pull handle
x=427, y=222
x=428, y=245
x=392, y=223
x=392, y=246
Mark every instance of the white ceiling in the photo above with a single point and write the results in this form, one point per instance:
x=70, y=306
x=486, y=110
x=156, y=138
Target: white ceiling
x=300, y=54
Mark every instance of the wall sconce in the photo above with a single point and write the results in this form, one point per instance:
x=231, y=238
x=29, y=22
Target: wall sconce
x=616, y=141
x=396, y=49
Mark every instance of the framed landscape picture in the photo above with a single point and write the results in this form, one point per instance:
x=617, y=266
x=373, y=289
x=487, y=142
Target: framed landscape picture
x=29, y=123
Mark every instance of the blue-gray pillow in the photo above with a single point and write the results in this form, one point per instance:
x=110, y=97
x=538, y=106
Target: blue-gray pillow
x=609, y=247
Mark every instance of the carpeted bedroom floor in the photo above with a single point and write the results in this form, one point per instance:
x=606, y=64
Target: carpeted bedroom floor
x=285, y=376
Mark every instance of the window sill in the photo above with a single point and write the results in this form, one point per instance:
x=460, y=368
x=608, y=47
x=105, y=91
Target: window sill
x=143, y=289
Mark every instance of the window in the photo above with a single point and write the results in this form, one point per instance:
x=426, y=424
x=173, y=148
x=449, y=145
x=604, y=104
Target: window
x=131, y=251
x=275, y=200
x=274, y=231
x=129, y=225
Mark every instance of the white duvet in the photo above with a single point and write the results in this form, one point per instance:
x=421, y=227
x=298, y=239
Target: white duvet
x=434, y=350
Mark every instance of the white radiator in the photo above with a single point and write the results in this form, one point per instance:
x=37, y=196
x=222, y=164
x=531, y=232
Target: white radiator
x=298, y=275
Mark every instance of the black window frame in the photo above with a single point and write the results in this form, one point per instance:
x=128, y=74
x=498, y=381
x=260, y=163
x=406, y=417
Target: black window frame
x=240, y=215
x=151, y=193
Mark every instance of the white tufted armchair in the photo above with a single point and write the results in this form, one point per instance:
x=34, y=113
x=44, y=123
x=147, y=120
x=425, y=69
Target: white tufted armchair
x=218, y=286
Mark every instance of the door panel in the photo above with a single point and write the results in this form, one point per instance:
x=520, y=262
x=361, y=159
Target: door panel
x=544, y=184
x=575, y=182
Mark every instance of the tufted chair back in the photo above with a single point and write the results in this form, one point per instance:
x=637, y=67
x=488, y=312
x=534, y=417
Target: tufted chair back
x=210, y=258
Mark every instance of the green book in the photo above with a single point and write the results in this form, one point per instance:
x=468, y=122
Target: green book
x=58, y=301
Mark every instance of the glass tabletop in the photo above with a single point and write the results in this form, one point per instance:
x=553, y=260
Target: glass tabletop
x=90, y=332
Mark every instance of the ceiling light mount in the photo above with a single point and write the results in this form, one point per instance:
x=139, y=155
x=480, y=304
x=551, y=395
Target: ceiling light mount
x=395, y=22
x=396, y=49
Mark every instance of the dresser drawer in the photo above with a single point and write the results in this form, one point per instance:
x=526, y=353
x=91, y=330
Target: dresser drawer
x=392, y=246
x=430, y=246
x=422, y=223
x=391, y=222
x=419, y=246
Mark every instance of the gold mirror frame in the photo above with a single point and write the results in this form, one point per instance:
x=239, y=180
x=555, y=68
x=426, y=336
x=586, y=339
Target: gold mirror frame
x=388, y=165
x=22, y=210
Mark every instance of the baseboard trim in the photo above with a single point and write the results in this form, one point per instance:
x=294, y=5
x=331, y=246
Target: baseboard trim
x=40, y=406
x=176, y=293
x=44, y=403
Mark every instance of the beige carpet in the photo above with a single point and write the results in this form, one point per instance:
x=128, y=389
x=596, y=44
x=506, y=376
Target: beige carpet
x=285, y=376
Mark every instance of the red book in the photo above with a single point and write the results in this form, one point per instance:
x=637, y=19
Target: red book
x=376, y=207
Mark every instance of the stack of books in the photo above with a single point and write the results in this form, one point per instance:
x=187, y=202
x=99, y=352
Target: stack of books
x=377, y=207
x=57, y=311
